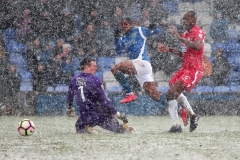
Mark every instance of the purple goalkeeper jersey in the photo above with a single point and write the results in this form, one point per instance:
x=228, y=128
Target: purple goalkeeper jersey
x=89, y=95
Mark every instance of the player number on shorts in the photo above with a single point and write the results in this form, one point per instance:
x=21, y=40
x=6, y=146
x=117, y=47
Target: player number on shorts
x=82, y=94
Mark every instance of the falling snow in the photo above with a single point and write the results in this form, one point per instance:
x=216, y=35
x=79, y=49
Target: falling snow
x=42, y=43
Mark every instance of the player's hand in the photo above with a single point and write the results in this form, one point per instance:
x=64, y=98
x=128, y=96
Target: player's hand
x=122, y=117
x=71, y=112
x=128, y=128
x=162, y=48
x=175, y=33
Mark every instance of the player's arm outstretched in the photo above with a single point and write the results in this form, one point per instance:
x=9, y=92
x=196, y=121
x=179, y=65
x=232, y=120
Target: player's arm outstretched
x=196, y=44
x=164, y=48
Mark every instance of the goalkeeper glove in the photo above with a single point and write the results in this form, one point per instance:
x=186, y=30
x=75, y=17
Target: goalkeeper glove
x=71, y=112
x=128, y=128
x=122, y=117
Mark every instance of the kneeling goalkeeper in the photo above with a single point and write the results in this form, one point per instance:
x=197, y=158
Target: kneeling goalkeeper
x=94, y=107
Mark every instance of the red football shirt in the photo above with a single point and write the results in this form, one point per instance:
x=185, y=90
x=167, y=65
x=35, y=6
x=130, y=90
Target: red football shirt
x=192, y=58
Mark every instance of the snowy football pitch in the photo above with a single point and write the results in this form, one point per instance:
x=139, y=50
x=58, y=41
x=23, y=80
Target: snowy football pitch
x=55, y=138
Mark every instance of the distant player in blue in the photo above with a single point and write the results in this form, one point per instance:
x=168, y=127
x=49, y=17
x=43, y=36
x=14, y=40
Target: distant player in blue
x=94, y=107
x=133, y=41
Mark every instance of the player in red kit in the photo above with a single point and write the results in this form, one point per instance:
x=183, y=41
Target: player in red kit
x=189, y=74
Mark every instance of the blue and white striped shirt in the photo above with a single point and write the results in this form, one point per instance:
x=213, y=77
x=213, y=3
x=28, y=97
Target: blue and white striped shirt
x=134, y=42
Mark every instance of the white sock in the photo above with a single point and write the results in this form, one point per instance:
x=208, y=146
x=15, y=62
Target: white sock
x=131, y=93
x=172, y=109
x=182, y=101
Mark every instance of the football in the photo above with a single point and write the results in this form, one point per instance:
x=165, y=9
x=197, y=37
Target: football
x=26, y=127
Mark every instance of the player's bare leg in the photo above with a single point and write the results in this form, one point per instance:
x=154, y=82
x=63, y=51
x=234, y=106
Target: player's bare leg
x=151, y=89
x=118, y=70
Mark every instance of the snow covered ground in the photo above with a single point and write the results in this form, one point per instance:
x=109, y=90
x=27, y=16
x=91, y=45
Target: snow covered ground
x=55, y=138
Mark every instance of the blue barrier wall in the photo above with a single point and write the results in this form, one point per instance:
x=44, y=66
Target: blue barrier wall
x=144, y=105
x=50, y=104
x=55, y=104
x=205, y=104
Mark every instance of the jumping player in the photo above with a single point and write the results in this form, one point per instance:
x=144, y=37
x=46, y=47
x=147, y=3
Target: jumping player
x=189, y=74
x=94, y=107
x=133, y=41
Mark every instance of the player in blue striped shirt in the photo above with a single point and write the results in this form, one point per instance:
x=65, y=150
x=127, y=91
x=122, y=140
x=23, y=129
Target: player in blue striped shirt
x=133, y=41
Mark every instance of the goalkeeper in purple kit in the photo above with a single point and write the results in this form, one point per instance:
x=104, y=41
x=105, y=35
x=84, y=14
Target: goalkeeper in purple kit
x=94, y=107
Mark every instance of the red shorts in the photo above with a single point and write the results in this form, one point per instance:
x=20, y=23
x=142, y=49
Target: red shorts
x=188, y=77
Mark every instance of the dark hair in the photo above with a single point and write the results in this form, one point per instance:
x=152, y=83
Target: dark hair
x=86, y=61
x=128, y=19
x=193, y=14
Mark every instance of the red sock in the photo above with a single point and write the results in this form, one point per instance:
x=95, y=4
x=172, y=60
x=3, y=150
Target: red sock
x=184, y=116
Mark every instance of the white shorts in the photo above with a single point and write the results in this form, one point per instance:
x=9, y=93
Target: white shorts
x=144, y=71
